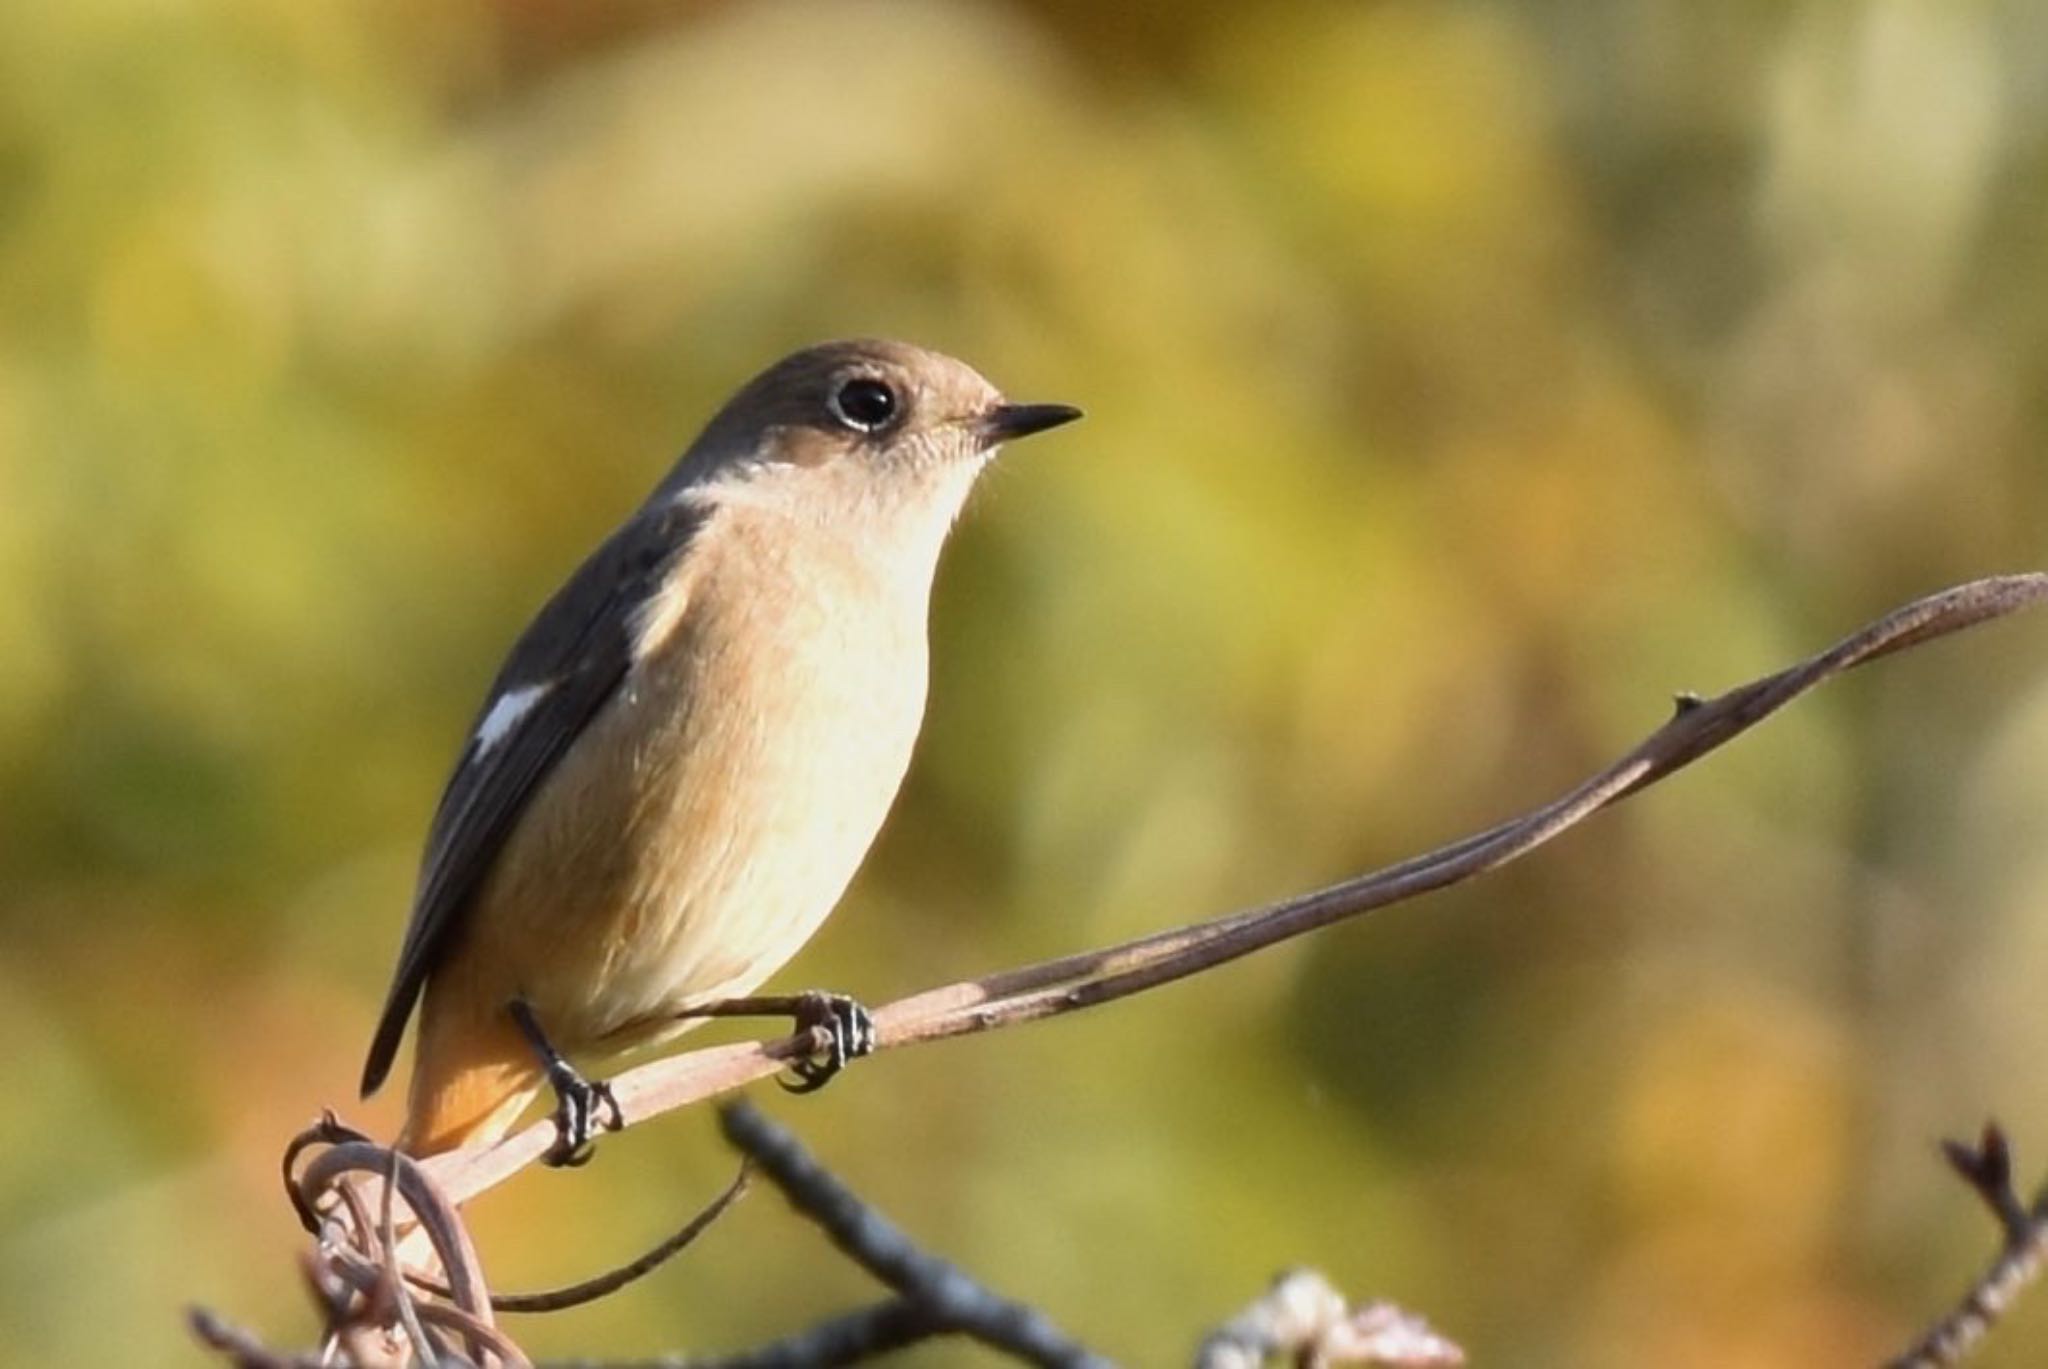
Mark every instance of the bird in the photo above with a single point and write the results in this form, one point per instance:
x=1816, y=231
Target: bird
x=687, y=753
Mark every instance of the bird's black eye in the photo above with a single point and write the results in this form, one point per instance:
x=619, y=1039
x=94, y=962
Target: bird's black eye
x=865, y=404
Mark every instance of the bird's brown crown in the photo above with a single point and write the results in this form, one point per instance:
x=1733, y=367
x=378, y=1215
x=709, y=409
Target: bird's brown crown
x=860, y=396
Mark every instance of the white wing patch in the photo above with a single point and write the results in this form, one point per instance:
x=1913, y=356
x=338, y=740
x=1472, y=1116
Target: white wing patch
x=505, y=714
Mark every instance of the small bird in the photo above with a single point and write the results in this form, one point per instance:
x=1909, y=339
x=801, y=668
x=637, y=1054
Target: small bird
x=690, y=749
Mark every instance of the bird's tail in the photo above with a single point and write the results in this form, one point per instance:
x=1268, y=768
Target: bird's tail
x=470, y=1082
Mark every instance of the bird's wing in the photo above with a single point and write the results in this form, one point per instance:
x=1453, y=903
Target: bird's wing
x=564, y=667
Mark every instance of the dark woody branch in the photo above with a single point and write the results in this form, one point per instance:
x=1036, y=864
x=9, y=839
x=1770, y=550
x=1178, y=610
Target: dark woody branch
x=1697, y=727
x=1987, y=1168
x=866, y=1333
x=937, y=1298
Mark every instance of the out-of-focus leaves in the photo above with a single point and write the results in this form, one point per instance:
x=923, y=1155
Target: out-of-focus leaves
x=1463, y=380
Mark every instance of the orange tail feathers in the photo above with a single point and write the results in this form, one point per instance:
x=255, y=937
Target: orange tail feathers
x=470, y=1081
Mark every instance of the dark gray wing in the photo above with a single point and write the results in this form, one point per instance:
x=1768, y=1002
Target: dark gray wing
x=574, y=653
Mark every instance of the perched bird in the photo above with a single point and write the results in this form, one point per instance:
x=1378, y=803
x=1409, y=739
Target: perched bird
x=691, y=747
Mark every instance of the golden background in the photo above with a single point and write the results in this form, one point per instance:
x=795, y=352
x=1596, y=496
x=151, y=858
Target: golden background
x=1463, y=379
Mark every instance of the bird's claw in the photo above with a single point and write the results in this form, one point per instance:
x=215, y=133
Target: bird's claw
x=577, y=1101
x=849, y=1031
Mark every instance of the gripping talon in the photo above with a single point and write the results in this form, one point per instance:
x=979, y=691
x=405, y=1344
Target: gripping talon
x=850, y=1034
x=577, y=1101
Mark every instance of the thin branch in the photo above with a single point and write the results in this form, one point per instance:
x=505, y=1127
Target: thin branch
x=355, y=1274
x=432, y=1208
x=1697, y=727
x=241, y=1346
x=482, y=1337
x=611, y=1281
x=1987, y=1168
x=863, y=1334
x=393, y=1284
x=944, y=1291
x=328, y=1130
x=351, y=1272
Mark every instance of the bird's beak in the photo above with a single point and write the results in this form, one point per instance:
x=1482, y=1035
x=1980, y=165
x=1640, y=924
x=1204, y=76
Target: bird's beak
x=1006, y=421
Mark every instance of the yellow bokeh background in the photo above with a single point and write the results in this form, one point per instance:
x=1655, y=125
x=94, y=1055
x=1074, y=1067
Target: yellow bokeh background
x=1463, y=379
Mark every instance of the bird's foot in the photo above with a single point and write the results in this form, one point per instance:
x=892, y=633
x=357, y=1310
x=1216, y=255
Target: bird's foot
x=849, y=1032
x=848, y=1027
x=577, y=1099
x=577, y=1103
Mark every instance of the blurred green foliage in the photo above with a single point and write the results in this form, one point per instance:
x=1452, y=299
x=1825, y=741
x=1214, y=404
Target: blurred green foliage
x=1462, y=378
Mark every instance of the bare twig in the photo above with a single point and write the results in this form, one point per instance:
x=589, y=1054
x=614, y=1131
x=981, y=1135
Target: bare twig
x=328, y=1130
x=393, y=1285
x=611, y=1281
x=357, y=1277
x=1302, y=1319
x=1987, y=1168
x=943, y=1291
x=242, y=1348
x=430, y=1207
x=863, y=1334
x=351, y=1272
x=1079, y=981
x=365, y=1253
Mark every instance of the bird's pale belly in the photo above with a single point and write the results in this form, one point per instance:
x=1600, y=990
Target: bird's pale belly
x=722, y=852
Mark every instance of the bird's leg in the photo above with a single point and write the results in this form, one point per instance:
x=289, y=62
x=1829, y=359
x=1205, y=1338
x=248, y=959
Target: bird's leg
x=576, y=1098
x=848, y=1028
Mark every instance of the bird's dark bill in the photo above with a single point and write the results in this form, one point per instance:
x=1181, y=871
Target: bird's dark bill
x=1007, y=421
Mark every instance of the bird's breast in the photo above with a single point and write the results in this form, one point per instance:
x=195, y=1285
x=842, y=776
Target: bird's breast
x=717, y=807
